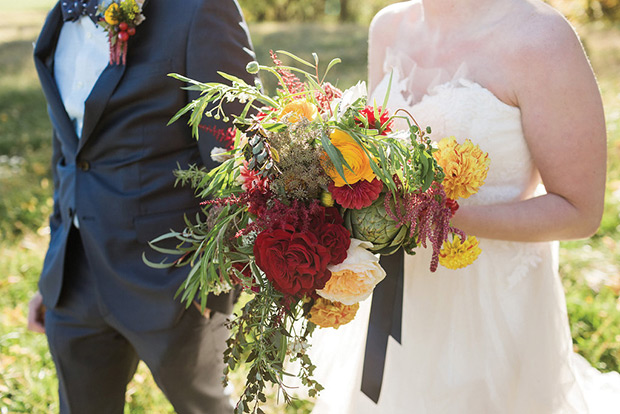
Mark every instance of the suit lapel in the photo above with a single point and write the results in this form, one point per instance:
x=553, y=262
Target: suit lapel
x=44, y=50
x=98, y=99
x=101, y=93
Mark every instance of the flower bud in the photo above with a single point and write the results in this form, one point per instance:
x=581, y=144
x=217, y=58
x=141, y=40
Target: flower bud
x=252, y=67
x=326, y=199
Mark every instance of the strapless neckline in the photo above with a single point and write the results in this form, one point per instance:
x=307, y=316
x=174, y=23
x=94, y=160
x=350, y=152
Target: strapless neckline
x=469, y=85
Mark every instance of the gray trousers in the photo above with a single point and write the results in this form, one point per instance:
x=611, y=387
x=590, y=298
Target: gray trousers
x=96, y=357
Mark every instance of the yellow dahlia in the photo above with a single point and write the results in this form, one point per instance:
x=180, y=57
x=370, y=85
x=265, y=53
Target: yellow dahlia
x=355, y=157
x=299, y=109
x=328, y=314
x=456, y=254
x=465, y=165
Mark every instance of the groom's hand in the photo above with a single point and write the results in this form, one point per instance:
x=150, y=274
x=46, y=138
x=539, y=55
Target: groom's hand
x=36, y=314
x=206, y=313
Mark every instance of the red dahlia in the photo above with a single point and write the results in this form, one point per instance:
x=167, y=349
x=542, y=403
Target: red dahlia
x=358, y=195
x=380, y=124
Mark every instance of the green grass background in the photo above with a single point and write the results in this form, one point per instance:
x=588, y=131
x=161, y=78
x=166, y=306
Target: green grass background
x=589, y=268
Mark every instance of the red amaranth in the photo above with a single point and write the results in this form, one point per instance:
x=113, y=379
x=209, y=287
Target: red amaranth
x=428, y=215
x=225, y=136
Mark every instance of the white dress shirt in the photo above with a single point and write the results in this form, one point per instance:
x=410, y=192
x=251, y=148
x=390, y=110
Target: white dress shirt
x=82, y=53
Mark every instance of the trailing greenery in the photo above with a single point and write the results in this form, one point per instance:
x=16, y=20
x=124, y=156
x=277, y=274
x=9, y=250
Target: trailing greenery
x=589, y=268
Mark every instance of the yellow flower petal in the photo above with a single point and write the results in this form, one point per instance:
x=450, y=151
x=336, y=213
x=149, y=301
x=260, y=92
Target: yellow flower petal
x=355, y=157
x=109, y=14
x=299, y=109
x=465, y=166
x=457, y=254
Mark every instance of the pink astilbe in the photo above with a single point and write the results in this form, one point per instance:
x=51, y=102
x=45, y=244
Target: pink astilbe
x=252, y=180
x=428, y=215
x=325, y=97
x=291, y=82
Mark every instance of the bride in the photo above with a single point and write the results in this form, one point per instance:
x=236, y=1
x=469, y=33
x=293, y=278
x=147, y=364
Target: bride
x=510, y=75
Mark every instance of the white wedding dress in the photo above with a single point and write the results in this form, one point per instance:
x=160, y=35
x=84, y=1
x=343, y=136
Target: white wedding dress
x=492, y=337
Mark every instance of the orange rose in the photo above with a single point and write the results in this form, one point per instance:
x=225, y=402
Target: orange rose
x=354, y=279
x=354, y=155
x=299, y=109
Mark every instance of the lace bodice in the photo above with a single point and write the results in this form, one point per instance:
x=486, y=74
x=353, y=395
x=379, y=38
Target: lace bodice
x=464, y=109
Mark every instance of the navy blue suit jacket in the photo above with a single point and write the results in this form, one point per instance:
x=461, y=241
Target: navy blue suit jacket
x=118, y=176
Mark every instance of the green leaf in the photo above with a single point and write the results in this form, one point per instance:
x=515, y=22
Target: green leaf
x=334, y=155
x=297, y=58
x=330, y=65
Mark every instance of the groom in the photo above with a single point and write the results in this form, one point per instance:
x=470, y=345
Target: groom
x=113, y=158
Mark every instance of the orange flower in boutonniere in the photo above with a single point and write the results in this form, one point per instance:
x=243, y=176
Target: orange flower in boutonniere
x=119, y=18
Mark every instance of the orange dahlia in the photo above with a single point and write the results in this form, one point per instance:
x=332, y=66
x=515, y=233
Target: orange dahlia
x=328, y=314
x=465, y=165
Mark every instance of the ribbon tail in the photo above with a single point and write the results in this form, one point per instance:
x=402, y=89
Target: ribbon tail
x=385, y=321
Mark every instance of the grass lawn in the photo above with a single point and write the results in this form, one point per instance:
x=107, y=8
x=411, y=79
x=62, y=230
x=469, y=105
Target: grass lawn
x=590, y=268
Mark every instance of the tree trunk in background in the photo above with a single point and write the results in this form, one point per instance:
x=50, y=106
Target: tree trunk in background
x=344, y=10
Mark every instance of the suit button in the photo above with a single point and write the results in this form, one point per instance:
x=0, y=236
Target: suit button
x=83, y=165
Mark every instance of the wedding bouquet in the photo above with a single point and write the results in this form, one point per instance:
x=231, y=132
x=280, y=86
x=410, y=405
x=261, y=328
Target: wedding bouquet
x=311, y=188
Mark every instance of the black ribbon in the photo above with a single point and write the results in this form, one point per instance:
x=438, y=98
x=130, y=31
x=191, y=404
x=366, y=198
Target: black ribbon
x=386, y=316
x=73, y=10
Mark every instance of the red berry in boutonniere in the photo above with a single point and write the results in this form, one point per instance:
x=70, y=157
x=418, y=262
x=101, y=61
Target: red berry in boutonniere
x=119, y=18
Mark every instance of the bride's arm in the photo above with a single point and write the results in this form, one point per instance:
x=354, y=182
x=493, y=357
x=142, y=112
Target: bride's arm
x=382, y=31
x=564, y=126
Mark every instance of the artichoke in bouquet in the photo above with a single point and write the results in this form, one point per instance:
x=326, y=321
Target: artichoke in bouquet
x=374, y=224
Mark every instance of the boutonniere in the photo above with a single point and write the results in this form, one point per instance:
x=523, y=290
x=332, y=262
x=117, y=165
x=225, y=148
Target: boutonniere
x=119, y=18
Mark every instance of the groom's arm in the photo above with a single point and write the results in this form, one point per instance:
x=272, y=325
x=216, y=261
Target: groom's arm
x=218, y=41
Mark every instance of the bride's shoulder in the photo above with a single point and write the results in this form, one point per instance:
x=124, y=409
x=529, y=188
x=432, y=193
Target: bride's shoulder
x=541, y=29
x=395, y=14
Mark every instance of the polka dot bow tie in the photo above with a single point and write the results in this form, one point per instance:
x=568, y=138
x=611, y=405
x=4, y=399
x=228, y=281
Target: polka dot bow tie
x=73, y=10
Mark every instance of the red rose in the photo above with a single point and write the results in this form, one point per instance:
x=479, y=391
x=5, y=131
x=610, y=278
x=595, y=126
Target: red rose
x=294, y=262
x=332, y=216
x=337, y=239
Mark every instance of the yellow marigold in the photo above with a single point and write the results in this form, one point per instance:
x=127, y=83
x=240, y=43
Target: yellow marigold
x=110, y=14
x=355, y=157
x=299, y=109
x=328, y=314
x=465, y=166
x=456, y=254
